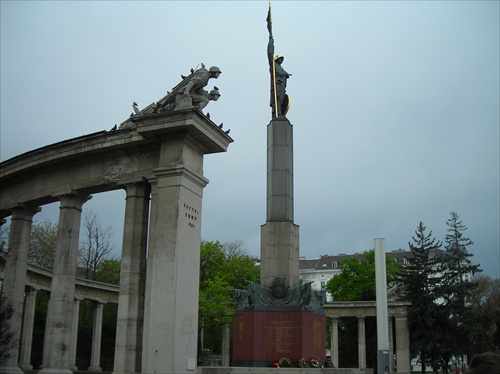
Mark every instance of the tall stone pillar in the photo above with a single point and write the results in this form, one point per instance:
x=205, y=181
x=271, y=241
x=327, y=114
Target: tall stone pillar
x=130, y=319
x=391, y=345
x=361, y=343
x=95, y=355
x=16, y=264
x=27, y=334
x=169, y=344
x=334, y=342
x=226, y=338
x=171, y=311
x=279, y=235
x=274, y=327
x=74, y=335
x=403, y=345
x=58, y=327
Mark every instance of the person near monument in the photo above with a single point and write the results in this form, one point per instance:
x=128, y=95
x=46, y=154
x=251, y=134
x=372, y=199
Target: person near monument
x=484, y=363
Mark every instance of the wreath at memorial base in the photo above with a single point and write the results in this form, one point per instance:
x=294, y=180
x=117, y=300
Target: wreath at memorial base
x=303, y=362
x=284, y=362
x=314, y=362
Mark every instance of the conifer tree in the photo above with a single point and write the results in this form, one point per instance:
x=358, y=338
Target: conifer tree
x=421, y=286
x=457, y=288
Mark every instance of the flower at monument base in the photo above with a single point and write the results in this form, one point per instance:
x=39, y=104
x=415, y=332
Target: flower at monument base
x=303, y=362
x=284, y=362
x=275, y=364
x=314, y=363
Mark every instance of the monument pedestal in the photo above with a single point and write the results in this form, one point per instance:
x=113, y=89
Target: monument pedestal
x=267, y=334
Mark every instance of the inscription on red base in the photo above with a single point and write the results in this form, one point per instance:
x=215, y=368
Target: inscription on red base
x=264, y=336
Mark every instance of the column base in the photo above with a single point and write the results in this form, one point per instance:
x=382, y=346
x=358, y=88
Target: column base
x=26, y=367
x=94, y=368
x=10, y=370
x=55, y=371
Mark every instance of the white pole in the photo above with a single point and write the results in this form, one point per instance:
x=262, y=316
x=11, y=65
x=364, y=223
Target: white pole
x=382, y=315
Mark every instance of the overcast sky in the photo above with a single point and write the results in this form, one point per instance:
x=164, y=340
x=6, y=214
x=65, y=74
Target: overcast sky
x=395, y=107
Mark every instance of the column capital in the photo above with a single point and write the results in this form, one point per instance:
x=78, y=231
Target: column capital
x=178, y=171
x=72, y=199
x=139, y=188
x=24, y=211
x=32, y=288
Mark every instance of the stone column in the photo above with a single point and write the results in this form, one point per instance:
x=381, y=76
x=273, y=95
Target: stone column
x=130, y=317
x=334, y=341
x=391, y=345
x=95, y=356
x=59, y=324
x=226, y=338
x=279, y=246
x=27, y=337
x=402, y=345
x=171, y=303
x=74, y=335
x=361, y=343
x=16, y=264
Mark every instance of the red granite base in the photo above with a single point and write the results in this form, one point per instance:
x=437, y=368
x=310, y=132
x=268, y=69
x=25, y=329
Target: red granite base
x=261, y=337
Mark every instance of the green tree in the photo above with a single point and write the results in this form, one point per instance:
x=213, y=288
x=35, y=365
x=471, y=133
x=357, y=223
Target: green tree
x=457, y=290
x=7, y=341
x=421, y=281
x=108, y=271
x=223, y=267
x=356, y=281
x=485, y=302
x=43, y=244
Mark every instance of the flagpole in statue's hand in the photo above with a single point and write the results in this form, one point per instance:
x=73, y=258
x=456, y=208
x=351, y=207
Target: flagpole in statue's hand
x=270, y=56
x=269, y=21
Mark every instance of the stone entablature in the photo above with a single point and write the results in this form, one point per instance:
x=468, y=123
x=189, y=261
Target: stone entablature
x=102, y=161
x=358, y=309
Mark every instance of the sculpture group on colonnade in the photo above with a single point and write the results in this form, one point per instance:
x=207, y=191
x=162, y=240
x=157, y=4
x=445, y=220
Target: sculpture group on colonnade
x=189, y=93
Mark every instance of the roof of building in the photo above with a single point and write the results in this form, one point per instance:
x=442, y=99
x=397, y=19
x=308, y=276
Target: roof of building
x=327, y=262
x=307, y=264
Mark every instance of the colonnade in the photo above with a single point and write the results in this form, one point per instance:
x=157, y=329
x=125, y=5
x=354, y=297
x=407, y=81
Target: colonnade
x=61, y=331
x=59, y=349
x=398, y=327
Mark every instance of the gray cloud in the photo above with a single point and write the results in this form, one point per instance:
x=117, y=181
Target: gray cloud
x=394, y=106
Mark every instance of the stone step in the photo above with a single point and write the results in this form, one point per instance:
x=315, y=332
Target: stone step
x=270, y=370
